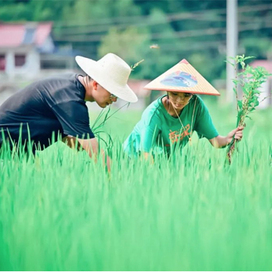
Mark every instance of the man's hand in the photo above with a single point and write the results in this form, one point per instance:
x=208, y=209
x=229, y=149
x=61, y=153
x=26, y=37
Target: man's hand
x=90, y=146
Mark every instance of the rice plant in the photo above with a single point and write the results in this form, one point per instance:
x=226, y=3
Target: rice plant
x=60, y=210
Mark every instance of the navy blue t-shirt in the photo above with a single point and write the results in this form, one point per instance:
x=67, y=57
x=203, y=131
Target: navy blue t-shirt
x=53, y=106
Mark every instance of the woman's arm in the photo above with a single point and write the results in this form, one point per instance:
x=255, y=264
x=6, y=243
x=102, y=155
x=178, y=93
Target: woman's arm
x=222, y=141
x=148, y=157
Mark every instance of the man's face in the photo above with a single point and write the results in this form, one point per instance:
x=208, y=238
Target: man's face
x=102, y=97
x=179, y=100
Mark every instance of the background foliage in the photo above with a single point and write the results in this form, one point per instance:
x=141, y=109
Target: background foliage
x=191, y=29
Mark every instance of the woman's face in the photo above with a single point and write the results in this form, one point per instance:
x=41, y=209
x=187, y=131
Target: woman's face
x=179, y=100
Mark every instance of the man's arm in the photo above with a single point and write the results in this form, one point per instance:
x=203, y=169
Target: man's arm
x=89, y=145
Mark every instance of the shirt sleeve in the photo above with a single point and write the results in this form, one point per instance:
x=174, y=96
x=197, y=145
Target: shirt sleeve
x=74, y=119
x=149, y=132
x=204, y=125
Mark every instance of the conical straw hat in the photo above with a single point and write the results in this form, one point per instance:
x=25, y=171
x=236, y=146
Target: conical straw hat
x=182, y=77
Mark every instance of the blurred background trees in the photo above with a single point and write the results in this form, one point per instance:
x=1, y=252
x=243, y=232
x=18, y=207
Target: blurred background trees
x=161, y=32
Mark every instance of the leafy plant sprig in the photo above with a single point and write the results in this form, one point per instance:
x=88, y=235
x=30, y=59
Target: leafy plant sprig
x=248, y=81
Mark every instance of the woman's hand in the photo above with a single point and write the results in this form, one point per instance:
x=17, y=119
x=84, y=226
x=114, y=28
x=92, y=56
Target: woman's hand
x=222, y=141
x=237, y=133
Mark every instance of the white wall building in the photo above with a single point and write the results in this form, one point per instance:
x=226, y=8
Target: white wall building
x=21, y=46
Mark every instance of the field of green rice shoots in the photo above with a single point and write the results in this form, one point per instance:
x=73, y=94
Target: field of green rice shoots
x=62, y=211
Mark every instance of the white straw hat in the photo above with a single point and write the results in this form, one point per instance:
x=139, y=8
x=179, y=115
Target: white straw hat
x=111, y=72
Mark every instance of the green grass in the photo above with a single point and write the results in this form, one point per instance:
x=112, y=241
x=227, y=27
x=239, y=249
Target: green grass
x=60, y=210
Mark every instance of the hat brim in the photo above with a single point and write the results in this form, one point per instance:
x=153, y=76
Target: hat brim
x=176, y=90
x=182, y=77
x=95, y=71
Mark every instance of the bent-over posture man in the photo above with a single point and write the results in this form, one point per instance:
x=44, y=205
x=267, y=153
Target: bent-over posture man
x=57, y=106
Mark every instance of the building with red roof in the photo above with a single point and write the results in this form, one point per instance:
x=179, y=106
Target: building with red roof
x=21, y=46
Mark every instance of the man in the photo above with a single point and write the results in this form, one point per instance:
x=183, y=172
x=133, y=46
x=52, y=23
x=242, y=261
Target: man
x=56, y=106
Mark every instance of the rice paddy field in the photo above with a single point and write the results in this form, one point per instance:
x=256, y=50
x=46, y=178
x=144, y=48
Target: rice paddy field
x=62, y=211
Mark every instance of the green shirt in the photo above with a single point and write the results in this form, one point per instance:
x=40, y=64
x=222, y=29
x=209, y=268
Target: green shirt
x=158, y=131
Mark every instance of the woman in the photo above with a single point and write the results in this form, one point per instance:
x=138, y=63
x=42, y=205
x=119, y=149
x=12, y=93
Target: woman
x=169, y=122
